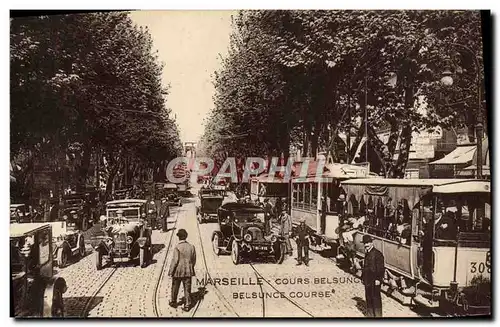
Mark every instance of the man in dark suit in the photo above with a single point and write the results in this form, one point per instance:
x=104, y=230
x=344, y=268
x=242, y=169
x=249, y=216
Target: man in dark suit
x=373, y=273
x=182, y=269
x=268, y=211
x=302, y=239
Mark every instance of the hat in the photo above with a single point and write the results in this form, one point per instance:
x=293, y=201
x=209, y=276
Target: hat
x=72, y=212
x=341, y=197
x=182, y=234
x=367, y=239
x=119, y=211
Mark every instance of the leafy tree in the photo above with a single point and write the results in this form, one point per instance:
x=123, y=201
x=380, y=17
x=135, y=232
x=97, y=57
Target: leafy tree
x=89, y=85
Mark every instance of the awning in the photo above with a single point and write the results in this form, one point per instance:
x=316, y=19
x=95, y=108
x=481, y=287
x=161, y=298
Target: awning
x=471, y=171
x=337, y=170
x=461, y=155
x=412, y=194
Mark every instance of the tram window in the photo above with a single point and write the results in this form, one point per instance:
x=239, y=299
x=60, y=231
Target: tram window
x=370, y=203
x=362, y=206
x=301, y=195
x=307, y=196
x=314, y=191
x=295, y=194
x=353, y=206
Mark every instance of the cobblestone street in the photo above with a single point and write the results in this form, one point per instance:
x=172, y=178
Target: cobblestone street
x=126, y=290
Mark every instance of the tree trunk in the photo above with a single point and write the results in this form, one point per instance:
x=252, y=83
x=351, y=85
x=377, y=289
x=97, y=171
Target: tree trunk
x=404, y=146
x=84, y=165
x=357, y=141
x=110, y=180
x=315, y=139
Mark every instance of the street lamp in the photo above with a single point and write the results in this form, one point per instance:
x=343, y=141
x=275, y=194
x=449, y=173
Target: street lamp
x=447, y=80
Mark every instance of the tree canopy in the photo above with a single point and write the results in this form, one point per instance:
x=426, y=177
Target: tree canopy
x=87, y=87
x=300, y=78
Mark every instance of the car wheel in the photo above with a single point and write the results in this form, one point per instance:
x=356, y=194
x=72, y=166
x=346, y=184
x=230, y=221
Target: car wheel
x=216, y=243
x=81, y=249
x=57, y=303
x=280, y=253
x=98, y=259
x=142, y=257
x=63, y=257
x=235, y=253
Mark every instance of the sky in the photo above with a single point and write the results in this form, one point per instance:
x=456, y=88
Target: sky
x=190, y=44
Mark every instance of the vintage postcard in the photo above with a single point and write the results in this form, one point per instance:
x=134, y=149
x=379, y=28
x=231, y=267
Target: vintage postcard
x=250, y=164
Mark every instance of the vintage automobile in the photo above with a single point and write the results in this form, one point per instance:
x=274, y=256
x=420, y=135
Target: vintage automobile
x=20, y=213
x=36, y=290
x=128, y=235
x=209, y=200
x=67, y=239
x=77, y=207
x=242, y=233
x=170, y=192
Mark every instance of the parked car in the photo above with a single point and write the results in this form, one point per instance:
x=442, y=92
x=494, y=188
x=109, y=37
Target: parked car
x=242, y=233
x=77, y=207
x=171, y=193
x=209, y=200
x=20, y=213
x=128, y=235
x=36, y=290
x=68, y=240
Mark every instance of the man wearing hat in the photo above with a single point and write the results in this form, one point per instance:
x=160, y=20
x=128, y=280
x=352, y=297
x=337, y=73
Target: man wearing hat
x=182, y=269
x=373, y=273
x=286, y=228
x=302, y=239
x=268, y=210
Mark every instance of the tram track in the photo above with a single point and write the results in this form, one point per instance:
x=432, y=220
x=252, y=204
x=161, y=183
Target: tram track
x=218, y=292
x=156, y=301
x=259, y=275
x=91, y=299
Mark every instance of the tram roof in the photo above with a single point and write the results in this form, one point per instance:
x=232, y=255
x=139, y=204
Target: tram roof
x=447, y=185
x=401, y=182
x=23, y=229
x=126, y=202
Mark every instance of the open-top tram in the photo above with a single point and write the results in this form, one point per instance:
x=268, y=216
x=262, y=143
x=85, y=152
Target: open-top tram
x=434, y=234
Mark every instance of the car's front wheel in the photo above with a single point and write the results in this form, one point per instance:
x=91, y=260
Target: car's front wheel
x=235, y=253
x=98, y=259
x=216, y=241
x=142, y=257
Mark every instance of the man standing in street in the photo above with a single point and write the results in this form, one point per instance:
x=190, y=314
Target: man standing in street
x=302, y=239
x=286, y=229
x=373, y=273
x=268, y=210
x=182, y=269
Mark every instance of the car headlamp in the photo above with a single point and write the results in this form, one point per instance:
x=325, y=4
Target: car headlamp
x=129, y=239
x=143, y=215
x=247, y=237
x=274, y=238
x=150, y=211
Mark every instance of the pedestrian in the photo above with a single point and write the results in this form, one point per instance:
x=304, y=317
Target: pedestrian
x=268, y=210
x=182, y=269
x=286, y=229
x=278, y=206
x=302, y=239
x=373, y=273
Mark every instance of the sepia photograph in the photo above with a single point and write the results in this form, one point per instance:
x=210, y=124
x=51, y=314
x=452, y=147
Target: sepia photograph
x=250, y=164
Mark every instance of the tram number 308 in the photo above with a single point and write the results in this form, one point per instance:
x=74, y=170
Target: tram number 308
x=481, y=267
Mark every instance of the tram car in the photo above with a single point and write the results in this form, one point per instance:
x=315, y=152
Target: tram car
x=434, y=234
x=128, y=235
x=36, y=290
